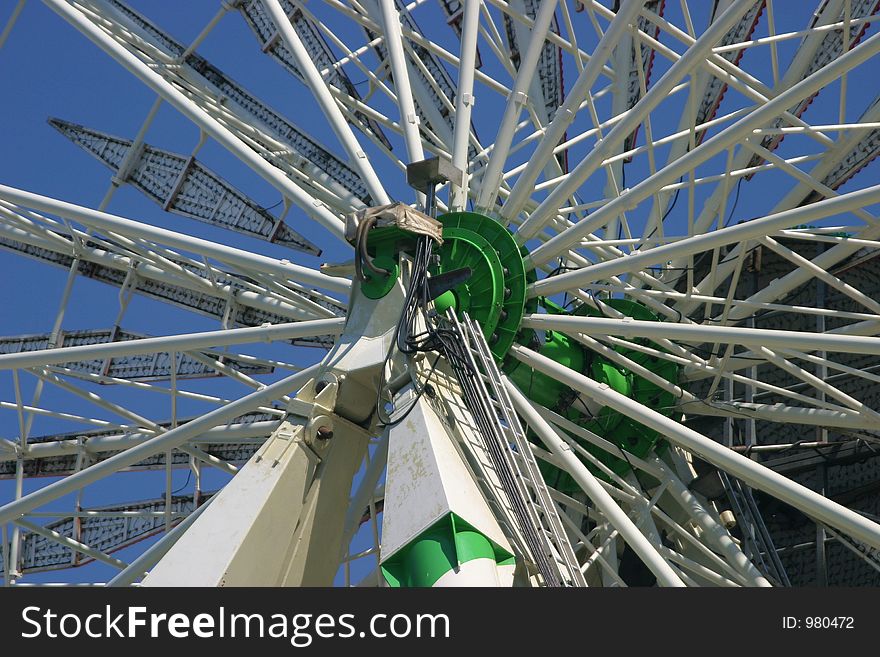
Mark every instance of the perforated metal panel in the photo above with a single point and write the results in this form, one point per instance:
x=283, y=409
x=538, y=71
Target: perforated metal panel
x=549, y=67
x=830, y=49
x=139, y=367
x=254, y=13
x=311, y=159
x=234, y=451
x=438, y=76
x=454, y=16
x=852, y=470
x=183, y=185
x=107, y=534
x=204, y=303
x=865, y=150
x=715, y=88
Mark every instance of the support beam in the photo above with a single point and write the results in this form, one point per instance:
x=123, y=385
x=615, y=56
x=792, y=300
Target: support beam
x=693, y=58
x=183, y=342
x=137, y=568
x=236, y=257
x=756, y=228
x=243, y=432
x=515, y=102
x=555, y=132
x=700, y=333
x=665, y=574
x=464, y=100
x=817, y=507
x=163, y=443
x=199, y=116
x=723, y=140
x=321, y=91
x=409, y=120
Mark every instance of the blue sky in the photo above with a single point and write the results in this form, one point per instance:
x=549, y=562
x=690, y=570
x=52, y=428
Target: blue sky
x=48, y=69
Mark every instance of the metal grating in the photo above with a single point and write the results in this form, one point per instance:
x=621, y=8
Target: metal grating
x=646, y=55
x=140, y=367
x=64, y=449
x=438, y=75
x=715, y=88
x=107, y=534
x=261, y=25
x=550, y=85
x=549, y=63
x=851, y=463
x=454, y=17
x=214, y=305
x=316, y=161
x=830, y=49
x=865, y=149
x=183, y=185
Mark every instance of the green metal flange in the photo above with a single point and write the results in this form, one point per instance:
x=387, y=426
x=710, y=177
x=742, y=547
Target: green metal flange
x=495, y=295
x=378, y=285
x=444, y=546
x=617, y=428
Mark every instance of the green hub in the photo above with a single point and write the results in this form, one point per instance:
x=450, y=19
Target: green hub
x=617, y=428
x=495, y=297
x=378, y=285
x=495, y=294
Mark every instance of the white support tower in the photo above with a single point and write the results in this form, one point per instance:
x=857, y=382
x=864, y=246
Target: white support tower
x=615, y=324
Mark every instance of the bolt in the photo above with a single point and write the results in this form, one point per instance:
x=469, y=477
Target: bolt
x=325, y=433
x=728, y=519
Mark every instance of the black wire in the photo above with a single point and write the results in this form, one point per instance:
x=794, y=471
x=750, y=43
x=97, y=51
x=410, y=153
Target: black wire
x=735, y=202
x=185, y=483
x=424, y=386
x=665, y=214
x=436, y=337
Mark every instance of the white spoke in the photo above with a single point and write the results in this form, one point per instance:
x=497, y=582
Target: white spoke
x=641, y=319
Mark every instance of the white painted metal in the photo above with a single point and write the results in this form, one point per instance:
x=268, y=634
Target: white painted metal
x=425, y=481
x=666, y=575
x=715, y=118
x=631, y=328
x=465, y=99
x=325, y=99
x=168, y=440
x=185, y=342
x=710, y=147
x=515, y=102
x=188, y=108
x=135, y=229
x=408, y=117
x=812, y=504
x=566, y=114
x=625, y=126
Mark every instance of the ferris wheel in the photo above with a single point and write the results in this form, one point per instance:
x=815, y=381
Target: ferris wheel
x=615, y=324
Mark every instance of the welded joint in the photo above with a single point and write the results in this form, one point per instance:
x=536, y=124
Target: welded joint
x=10, y=446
